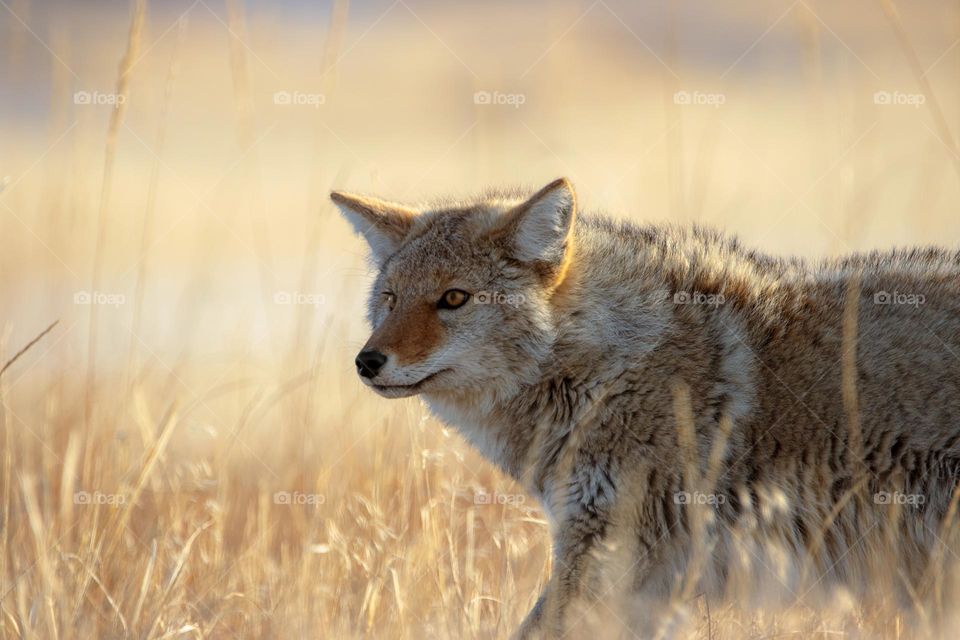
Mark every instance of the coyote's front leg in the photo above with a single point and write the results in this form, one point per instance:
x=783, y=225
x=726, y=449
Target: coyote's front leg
x=574, y=540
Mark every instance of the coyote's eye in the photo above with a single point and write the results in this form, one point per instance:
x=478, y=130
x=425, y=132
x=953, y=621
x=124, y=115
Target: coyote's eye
x=390, y=299
x=453, y=299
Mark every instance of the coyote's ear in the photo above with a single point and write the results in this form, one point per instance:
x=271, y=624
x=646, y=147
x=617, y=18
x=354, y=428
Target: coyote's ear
x=383, y=224
x=541, y=227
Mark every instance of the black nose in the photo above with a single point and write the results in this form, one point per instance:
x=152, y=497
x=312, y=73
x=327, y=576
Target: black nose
x=369, y=362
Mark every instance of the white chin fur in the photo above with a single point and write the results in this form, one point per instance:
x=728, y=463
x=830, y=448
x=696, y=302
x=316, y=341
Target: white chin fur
x=404, y=391
x=395, y=392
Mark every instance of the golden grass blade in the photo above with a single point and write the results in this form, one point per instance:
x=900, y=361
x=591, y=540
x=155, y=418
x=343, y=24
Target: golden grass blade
x=240, y=73
x=134, y=39
x=848, y=368
x=696, y=483
x=146, y=229
x=27, y=347
x=68, y=477
x=144, y=585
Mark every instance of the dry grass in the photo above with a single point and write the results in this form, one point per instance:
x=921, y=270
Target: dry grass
x=201, y=547
x=149, y=442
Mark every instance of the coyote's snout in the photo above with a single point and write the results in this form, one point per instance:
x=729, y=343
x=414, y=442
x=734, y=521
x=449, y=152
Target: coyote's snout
x=559, y=344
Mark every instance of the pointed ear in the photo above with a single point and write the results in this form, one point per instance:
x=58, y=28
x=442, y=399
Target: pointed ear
x=383, y=224
x=541, y=226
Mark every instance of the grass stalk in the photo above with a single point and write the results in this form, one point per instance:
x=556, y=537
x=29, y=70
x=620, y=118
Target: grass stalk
x=122, y=91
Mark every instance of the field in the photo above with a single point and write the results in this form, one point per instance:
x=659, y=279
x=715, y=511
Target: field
x=187, y=452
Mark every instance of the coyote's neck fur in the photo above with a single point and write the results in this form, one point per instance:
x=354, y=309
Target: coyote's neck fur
x=616, y=304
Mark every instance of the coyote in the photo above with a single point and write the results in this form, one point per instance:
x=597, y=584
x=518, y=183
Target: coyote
x=657, y=387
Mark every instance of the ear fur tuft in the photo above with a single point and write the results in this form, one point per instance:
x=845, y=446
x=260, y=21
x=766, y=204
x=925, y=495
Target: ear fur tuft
x=542, y=225
x=383, y=224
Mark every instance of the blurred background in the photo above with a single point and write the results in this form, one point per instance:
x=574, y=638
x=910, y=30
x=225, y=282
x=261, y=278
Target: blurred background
x=164, y=171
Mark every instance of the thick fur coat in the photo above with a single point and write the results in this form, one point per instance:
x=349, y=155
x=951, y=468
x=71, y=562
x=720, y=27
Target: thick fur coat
x=661, y=390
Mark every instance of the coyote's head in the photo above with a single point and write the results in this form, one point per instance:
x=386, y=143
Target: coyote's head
x=462, y=300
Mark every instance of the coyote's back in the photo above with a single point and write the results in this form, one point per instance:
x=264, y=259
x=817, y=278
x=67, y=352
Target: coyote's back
x=674, y=398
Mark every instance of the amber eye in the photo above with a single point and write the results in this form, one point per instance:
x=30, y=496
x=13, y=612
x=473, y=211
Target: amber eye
x=453, y=299
x=390, y=299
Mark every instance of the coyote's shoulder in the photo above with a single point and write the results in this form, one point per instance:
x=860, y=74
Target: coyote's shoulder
x=576, y=352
